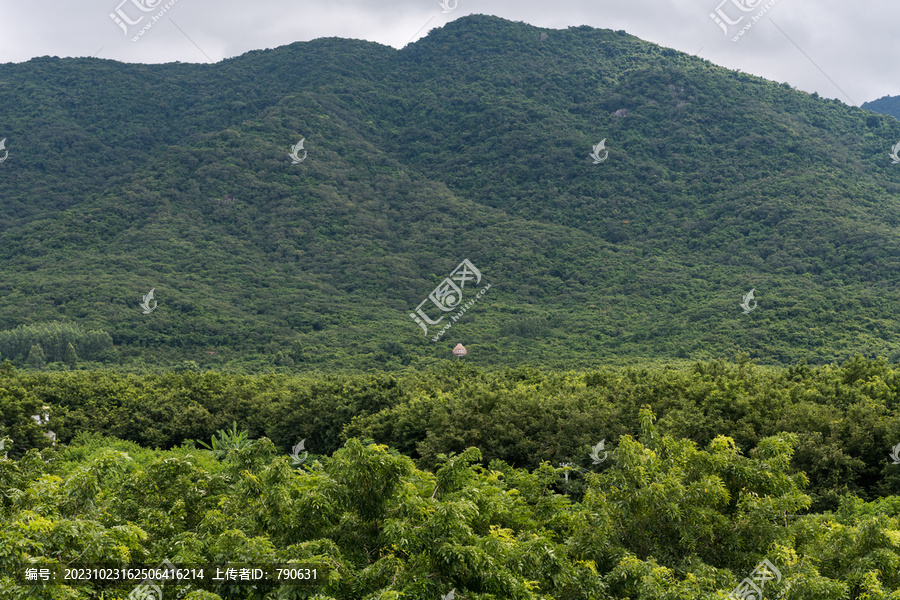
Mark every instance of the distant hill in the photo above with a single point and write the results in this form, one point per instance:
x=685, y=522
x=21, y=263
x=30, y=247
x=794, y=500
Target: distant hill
x=888, y=105
x=472, y=143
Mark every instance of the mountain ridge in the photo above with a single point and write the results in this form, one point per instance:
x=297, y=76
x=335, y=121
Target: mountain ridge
x=471, y=143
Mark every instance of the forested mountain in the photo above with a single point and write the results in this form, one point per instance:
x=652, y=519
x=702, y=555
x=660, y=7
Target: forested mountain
x=887, y=105
x=472, y=143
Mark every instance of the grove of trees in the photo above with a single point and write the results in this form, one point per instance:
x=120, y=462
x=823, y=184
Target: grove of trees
x=461, y=480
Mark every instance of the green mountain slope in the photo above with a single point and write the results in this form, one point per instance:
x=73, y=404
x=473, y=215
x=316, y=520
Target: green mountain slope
x=471, y=143
x=886, y=105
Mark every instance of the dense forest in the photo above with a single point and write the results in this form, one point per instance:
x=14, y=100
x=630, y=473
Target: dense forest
x=888, y=105
x=472, y=143
x=611, y=483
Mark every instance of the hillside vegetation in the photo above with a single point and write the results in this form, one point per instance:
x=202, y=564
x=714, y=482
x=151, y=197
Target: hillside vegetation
x=845, y=418
x=452, y=480
x=471, y=143
x=888, y=105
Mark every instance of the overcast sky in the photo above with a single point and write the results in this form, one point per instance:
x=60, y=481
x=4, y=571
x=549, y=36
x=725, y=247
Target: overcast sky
x=840, y=49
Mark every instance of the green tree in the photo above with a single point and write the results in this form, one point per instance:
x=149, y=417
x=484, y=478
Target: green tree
x=71, y=358
x=227, y=441
x=16, y=407
x=36, y=356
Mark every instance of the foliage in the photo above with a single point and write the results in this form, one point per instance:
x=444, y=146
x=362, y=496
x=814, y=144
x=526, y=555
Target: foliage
x=36, y=357
x=843, y=418
x=664, y=519
x=887, y=105
x=71, y=357
x=22, y=432
x=705, y=472
x=470, y=143
x=227, y=442
x=52, y=342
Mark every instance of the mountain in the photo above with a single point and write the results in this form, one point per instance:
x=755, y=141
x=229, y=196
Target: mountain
x=472, y=143
x=887, y=105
